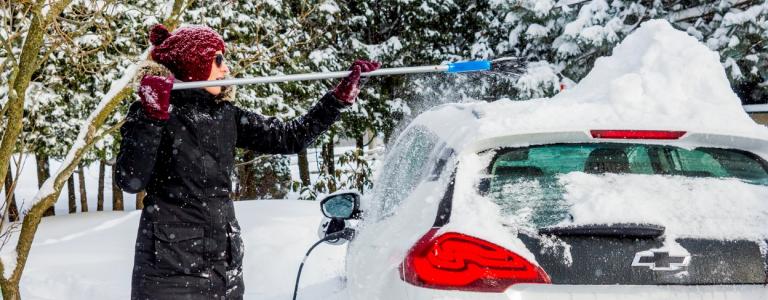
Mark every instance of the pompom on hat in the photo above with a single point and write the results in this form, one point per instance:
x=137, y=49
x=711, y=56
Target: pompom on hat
x=187, y=52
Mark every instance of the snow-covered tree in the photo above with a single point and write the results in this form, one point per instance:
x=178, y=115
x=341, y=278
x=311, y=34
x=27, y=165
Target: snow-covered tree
x=738, y=31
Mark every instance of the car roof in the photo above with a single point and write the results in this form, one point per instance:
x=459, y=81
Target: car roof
x=478, y=125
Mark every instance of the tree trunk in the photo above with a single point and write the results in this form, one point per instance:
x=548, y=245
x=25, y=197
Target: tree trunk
x=304, y=168
x=247, y=177
x=328, y=159
x=372, y=137
x=43, y=172
x=140, y=199
x=389, y=85
x=100, y=193
x=83, y=193
x=360, y=143
x=329, y=163
x=13, y=210
x=360, y=174
x=10, y=290
x=117, y=194
x=71, y=194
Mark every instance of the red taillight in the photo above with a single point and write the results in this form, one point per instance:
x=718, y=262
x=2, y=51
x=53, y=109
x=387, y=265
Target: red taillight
x=637, y=134
x=456, y=261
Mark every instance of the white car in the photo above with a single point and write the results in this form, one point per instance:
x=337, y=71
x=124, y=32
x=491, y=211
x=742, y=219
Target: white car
x=457, y=218
x=647, y=180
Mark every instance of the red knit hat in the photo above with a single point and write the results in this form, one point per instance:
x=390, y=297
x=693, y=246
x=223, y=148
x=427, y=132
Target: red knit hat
x=187, y=52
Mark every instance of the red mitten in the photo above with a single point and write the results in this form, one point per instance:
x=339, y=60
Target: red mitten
x=155, y=94
x=349, y=87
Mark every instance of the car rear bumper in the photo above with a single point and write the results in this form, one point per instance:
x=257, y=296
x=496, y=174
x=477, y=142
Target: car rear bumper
x=601, y=292
x=631, y=292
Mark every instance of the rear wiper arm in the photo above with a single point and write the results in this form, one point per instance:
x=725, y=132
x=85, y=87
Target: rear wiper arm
x=613, y=230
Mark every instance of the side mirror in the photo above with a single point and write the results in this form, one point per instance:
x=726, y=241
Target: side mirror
x=343, y=205
x=338, y=208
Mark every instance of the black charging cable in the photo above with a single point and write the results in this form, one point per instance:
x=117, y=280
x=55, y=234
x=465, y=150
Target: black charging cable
x=346, y=233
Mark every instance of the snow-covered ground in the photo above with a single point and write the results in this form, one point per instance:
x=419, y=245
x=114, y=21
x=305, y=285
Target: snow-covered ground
x=90, y=255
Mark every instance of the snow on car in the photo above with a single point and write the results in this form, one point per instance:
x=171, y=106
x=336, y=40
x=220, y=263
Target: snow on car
x=647, y=180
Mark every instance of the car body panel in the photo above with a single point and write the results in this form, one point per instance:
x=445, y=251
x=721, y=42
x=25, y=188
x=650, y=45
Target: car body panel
x=595, y=292
x=375, y=256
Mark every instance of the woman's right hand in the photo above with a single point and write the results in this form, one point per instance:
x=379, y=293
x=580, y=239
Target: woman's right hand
x=347, y=90
x=155, y=94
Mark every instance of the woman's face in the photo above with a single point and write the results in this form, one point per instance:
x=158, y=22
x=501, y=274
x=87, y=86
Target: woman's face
x=218, y=71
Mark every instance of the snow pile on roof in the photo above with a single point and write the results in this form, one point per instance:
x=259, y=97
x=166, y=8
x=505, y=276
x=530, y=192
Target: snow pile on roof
x=657, y=78
x=687, y=207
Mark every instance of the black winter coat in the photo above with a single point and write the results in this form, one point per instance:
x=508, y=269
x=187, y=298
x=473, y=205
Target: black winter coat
x=188, y=244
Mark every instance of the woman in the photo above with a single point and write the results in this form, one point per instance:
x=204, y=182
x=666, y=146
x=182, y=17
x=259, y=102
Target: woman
x=179, y=146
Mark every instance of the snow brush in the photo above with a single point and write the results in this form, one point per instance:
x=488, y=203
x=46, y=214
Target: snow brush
x=510, y=66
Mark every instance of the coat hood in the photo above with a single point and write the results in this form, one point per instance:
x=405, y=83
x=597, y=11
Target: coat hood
x=149, y=67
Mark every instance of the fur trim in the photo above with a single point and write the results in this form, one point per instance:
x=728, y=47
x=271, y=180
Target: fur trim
x=227, y=94
x=149, y=67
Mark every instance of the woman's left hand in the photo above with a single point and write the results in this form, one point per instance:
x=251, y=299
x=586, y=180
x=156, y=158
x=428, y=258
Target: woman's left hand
x=347, y=90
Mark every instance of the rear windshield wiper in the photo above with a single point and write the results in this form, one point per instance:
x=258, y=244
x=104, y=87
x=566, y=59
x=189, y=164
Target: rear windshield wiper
x=612, y=230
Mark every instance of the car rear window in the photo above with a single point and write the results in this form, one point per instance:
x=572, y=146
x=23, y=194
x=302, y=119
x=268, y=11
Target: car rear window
x=526, y=178
x=547, y=160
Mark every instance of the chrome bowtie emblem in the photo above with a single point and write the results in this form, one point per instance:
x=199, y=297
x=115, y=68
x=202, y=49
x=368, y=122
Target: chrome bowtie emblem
x=660, y=260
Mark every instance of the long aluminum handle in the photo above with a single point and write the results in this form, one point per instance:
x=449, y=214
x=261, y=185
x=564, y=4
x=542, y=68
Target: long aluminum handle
x=309, y=76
